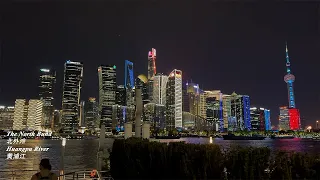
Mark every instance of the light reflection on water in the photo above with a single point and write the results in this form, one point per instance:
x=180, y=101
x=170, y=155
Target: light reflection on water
x=82, y=154
x=79, y=155
x=296, y=144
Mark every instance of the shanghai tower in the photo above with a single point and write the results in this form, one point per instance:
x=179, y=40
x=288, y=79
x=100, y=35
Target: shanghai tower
x=293, y=112
x=152, y=63
x=152, y=56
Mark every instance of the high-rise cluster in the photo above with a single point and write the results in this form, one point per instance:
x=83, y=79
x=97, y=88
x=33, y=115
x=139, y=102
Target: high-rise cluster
x=169, y=103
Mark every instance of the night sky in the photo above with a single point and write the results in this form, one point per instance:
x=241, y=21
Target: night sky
x=220, y=45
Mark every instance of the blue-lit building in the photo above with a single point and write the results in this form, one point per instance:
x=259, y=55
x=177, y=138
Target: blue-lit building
x=267, y=119
x=129, y=82
x=240, y=110
x=289, y=79
x=246, y=112
x=260, y=119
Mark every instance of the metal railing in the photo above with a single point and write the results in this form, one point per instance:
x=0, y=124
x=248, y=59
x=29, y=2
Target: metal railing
x=76, y=175
x=86, y=175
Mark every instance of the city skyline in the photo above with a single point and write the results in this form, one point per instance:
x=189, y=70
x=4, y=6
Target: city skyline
x=219, y=60
x=131, y=79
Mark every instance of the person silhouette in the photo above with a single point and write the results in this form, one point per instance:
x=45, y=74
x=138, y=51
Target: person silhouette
x=45, y=171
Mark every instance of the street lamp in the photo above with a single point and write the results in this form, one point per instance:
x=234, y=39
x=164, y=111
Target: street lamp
x=64, y=141
x=309, y=128
x=317, y=127
x=63, y=145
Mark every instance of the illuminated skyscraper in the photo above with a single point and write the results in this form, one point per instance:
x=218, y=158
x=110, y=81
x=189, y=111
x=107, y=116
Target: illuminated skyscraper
x=267, y=119
x=129, y=82
x=174, y=100
x=226, y=105
x=6, y=117
x=28, y=114
x=191, y=98
x=121, y=95
x=92, y=114
x=152, y=56
x=107, y=94
x=240, y=111
x=294, y=119
x=201, y=109
x=155, y=114
x=214, y=109
x=159, y=89
x=294, y=114
x=82, y=120
x=57, y=118
x=73, y=74
x=142, y=83
x=35, y=114
x=193, y=122
x=284, y=118
x=260, y=119
x=47, y=80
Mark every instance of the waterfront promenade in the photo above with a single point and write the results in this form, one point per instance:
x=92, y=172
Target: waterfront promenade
x=75, y=175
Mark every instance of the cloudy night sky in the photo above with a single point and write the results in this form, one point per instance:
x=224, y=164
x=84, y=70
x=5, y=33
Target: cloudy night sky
x=222, y=45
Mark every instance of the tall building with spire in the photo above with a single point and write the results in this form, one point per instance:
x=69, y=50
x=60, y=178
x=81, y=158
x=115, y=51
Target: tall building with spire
x=152, y=56
x=129, y=82
x=289, y=78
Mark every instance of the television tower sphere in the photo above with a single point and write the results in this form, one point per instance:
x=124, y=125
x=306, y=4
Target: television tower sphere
x=289, y=78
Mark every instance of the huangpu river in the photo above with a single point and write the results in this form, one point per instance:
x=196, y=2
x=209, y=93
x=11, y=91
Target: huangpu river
x=82, y=154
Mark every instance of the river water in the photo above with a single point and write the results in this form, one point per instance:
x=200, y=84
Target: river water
x=82, y=154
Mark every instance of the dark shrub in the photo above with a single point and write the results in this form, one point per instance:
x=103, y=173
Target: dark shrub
x=247, y=163
x=140, y=159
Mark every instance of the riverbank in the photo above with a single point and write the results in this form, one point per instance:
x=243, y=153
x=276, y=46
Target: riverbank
x=136, y=158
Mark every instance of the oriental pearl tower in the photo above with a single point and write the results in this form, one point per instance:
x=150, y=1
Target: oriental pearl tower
x=293, y=112
x=289, y=79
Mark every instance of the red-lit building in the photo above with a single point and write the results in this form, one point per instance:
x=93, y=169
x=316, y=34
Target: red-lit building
x=294, y=119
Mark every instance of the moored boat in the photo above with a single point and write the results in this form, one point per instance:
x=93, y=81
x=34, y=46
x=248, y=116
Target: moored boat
x=167, y=137
x=234, y=137
x=282, y=137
